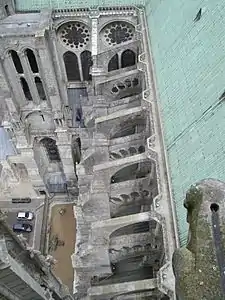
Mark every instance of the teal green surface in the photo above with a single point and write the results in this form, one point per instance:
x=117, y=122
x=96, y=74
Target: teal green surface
x=32, y=5
x=189, y=62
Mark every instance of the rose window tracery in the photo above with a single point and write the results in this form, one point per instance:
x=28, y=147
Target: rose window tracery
x=75, y=35
x=118, y=32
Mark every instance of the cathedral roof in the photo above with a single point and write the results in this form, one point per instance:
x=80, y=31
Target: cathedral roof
x=36, y=5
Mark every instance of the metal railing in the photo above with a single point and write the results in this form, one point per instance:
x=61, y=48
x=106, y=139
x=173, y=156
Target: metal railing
x=37, y=5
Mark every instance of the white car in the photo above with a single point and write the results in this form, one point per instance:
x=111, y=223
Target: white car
x=27, y=215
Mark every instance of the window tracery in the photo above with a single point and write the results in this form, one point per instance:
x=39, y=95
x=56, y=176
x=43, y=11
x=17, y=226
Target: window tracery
x=74, y=35
x=118, y=32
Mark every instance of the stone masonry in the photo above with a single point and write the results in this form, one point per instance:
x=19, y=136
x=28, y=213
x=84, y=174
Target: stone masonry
x=78, y=93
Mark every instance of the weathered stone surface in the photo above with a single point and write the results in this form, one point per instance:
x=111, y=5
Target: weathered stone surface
x=199, y=267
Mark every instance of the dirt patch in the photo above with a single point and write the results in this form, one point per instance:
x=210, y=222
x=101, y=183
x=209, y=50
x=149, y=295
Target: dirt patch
x=62, y=241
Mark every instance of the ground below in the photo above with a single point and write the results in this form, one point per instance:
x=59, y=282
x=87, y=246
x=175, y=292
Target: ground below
x=62, y=241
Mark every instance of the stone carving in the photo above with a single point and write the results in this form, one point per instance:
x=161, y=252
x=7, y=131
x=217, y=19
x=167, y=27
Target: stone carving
x=199, y=267
x=118, y=32
x=74, y=35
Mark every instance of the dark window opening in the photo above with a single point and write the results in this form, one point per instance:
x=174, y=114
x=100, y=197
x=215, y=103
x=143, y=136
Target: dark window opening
x=32, y=60
x=141, y=149
x=42, y=192
x=42, y=116
x=26, y=89
x=72, y=67
x=214, y=207
x=79, y=143
x=52, y=149
x=40, y=88
x=113, y=63
x=16, y=61
x=86, y=62
x=79, y=114
x=128, y=58
x=7, y=10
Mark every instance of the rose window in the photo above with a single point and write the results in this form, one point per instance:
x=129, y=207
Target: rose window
x=118, y=32
x=75, y=35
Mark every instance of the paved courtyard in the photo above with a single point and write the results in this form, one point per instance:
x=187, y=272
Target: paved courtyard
x=62, y=241
x=36, y=206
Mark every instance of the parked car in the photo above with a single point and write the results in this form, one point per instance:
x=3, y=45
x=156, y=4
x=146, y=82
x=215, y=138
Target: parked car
x=22, y=227
x=25, y=215
x=21, y=200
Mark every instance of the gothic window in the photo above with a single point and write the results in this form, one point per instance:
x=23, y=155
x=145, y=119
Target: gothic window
x=141, y=149
x=118, y=32
x=74, y=35
x=51, y=148
x=7, y=10
x=16, y=61
x=40, y=88
x=71, y=65
x=26, y=89
x=32, y=60
x=86, y=62
x=113, y=63
x=128, y=58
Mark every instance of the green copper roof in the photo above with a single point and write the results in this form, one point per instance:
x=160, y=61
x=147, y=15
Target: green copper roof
x=34, y=5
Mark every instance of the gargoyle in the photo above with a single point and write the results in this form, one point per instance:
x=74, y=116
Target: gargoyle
x=199, y=268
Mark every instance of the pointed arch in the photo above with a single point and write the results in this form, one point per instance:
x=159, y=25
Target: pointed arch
x=16, y=61
x=86, y=62
x=128, y=58
x=113, y=63
x=26, y=89
x=7, y=11
x=138, y=227
x=71, y=65
x=32, y=60
x=133, y=171
x=40, y=88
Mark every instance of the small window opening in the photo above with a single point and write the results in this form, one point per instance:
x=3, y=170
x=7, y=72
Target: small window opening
x=7, y=10
x=79, y=143
x=26, y=89
x=128, y=58
x=71, y=65
x=86, y=61
x=16, y=61
x=42, y=116
x=113, y=63
x=42, y=192
x=214, y=207
x=198, y=16
x=40, y=88
x=32, y=60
